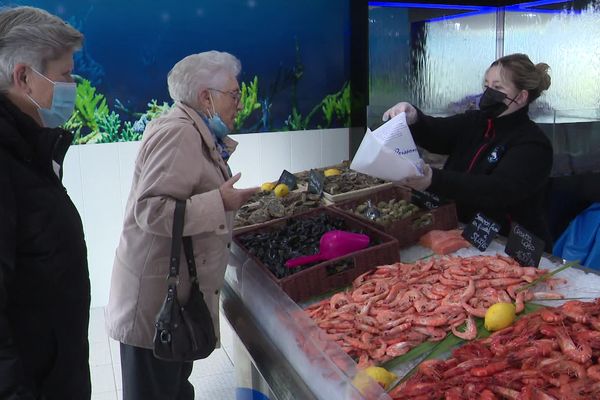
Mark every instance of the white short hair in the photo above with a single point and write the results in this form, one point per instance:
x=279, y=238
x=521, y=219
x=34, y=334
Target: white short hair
x=32, y=36
x=207, y=70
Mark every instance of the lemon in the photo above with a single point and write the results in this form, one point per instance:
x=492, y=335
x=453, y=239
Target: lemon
x=380, y=375
x=267, y=186
x=499, y=316
x=332, y=172
x=281, y=190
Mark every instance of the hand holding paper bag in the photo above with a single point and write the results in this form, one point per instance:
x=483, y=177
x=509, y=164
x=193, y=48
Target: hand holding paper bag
x=402, y=107
x=389, y=152
x=419, y=183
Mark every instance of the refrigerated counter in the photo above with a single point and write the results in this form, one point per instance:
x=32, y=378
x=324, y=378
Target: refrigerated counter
x=280, y=352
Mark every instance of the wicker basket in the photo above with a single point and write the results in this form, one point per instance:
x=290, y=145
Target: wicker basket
x=331, y=274
x=404, y=230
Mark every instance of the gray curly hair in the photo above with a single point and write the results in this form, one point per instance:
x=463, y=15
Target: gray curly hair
x=32, y=36
x=200, y=71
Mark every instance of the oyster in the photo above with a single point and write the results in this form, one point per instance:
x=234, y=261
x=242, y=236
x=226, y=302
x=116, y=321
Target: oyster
x=275, y=208
x=265, y=206
x=259, y=216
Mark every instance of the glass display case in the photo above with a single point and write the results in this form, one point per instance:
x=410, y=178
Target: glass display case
x=291, y=357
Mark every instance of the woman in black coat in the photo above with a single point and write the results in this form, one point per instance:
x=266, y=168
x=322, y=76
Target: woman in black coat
x=44, y=280
x=499, y=160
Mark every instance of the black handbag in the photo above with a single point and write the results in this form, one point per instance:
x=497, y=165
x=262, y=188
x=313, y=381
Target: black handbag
x=183, y=332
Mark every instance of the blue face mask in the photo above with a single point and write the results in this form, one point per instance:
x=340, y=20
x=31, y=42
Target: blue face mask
x=216, y=124
x=63, y=103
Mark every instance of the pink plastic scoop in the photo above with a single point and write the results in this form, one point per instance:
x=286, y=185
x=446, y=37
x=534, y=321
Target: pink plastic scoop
x=333, y=244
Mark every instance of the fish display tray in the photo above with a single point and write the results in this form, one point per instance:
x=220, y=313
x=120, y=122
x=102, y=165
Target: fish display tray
x=329, y=198
x=245, y=228
x=331, y=274
x=404, y=230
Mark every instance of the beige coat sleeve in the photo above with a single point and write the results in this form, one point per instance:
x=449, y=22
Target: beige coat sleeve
x=171, y=169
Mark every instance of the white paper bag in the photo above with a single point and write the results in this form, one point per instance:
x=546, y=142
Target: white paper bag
x=389, y=152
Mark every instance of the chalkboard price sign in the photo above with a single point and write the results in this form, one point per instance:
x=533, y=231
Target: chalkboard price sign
x=288, y=178
x=425, y=199
x=524, y=246
x=316, y=180
x=481, y=231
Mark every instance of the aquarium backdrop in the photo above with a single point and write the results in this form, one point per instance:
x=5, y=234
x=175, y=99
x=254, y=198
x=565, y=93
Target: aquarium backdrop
x=295, y=72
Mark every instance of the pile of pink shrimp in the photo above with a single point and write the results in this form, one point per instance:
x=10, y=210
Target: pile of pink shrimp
x=393, y=308
x=551, y=354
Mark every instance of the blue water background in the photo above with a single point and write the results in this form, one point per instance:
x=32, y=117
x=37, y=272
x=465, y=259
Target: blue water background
x=131, y=45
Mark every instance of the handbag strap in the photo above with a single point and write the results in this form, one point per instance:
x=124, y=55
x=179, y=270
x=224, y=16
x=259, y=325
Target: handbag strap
x=188, y=248
x=177, y=238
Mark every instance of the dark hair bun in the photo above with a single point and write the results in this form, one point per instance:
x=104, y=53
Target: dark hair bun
x=545, y=80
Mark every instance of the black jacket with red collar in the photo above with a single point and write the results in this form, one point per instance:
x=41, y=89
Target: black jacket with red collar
x=499, y=166
x=44, y=279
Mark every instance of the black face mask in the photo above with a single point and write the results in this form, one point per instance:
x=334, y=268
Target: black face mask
x=492, y=103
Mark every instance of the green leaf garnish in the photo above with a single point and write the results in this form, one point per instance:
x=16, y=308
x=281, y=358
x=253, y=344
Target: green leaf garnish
x=548, y=275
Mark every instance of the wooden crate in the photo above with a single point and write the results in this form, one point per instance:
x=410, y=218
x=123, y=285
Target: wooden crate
x=404, y=230
x=337, y=198
x=329, y=198
x=332, y=274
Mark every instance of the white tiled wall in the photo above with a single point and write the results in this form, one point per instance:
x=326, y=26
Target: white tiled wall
x=246, y=159
x=98, y=178
x=306, y=150
x=275, y=154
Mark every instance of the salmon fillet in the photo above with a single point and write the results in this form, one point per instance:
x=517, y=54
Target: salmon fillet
x=435, y=236
x=449, y=245
x=444, y=242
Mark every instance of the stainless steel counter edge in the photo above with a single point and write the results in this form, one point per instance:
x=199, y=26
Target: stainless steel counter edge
x=283, y=380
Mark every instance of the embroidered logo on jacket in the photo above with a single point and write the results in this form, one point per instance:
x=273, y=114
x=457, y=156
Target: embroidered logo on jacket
x=495, y=154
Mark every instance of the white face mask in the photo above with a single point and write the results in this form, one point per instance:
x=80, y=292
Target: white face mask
x=63, y=103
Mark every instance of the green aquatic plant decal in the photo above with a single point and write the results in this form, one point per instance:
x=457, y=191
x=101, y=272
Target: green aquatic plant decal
x=111, y=130
x=90, y=107
x=297, y=73
x=295, y=122
x=249, y=102
x=93, y=122
x=155, y=110
x=344, y=110
x=336, y=105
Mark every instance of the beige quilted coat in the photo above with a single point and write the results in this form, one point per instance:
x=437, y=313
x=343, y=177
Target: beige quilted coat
x=177, y=159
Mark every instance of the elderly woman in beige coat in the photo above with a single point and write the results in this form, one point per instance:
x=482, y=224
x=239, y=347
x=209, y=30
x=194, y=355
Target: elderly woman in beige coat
x=183, y=156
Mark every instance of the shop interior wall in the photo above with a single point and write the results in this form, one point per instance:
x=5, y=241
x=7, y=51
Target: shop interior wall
x=296, y=67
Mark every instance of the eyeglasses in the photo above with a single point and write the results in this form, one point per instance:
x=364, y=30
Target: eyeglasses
x=235, y=94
